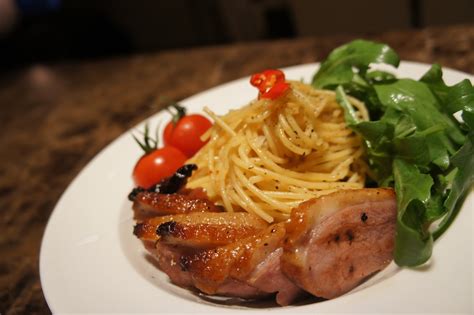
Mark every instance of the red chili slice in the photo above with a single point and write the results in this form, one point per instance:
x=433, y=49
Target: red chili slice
x=271, y=83
x=276, y=91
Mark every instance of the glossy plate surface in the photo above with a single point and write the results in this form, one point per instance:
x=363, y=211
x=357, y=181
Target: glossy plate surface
x=91, y=263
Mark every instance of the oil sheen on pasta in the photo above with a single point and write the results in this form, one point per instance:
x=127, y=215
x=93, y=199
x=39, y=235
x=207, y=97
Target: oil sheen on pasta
x=271, y=155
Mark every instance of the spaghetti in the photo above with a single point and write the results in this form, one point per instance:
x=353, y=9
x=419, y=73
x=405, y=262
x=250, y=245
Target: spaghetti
x=269, y=156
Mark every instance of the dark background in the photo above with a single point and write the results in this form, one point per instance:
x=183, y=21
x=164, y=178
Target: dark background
x=56, y=30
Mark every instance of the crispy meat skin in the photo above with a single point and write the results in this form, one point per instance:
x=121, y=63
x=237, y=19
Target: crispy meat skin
x=336, y=241
x=200, y=230
x=150, y=204
x=168, y=185
x=254, y=260
x=168, y=259
x=212, y=267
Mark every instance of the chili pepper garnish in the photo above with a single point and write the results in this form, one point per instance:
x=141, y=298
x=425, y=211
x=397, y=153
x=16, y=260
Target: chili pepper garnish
x=271, y=83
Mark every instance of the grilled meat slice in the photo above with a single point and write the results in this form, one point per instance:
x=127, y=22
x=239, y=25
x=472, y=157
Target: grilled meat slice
x=211, y=268
x=336, y=241
x=255, y=261
x=200, y=229
x=240, y=289
x=327, y=248
x=168, y=257
x=268, y=277
x=151, y=204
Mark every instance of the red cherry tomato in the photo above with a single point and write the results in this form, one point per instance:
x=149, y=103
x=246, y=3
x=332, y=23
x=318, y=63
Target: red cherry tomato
x=186, y=133
x=156, y=165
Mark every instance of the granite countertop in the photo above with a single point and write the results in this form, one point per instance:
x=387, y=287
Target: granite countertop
x=55, y=118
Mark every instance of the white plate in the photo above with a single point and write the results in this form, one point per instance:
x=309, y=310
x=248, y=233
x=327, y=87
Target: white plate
x=91, y=263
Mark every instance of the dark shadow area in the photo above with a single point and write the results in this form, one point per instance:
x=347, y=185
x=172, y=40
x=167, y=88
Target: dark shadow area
x=38, y=31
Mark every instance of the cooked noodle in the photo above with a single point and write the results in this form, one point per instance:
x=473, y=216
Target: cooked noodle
x=271, y=155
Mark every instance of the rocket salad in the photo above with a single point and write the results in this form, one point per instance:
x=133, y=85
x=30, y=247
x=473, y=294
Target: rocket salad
x=413, y=141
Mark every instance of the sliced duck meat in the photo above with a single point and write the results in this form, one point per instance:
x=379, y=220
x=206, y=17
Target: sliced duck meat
x=334, y=242
x=240, y=289
x=167, y=258
x=150, y=204
x=255, y=261
x=213, y=267
x=268, y=277
x=329, y=246
x=200, y=229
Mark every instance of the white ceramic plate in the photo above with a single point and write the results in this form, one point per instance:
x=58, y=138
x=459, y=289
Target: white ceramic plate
x=91, y=263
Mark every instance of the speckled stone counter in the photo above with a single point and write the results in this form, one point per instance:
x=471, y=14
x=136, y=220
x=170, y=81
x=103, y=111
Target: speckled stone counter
x=55, y=118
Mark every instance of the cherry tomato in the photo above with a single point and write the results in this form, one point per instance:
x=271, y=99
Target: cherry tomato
x=185, y=134
x=156, y=165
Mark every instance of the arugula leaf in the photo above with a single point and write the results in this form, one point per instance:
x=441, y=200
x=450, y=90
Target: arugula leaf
x=434, y=79
x=463, y=181
x=456, y=97
x=459, y=96
x=468, y=117
x=416, y=100
x=434, y=208
x=413, y=246
x=413, y=142
x=379, y=76
x=337, y=69
x=375, y=138
x=350, y=115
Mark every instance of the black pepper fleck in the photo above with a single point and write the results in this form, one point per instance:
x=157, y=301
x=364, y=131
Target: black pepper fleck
x=350, y=236
x=364, y=217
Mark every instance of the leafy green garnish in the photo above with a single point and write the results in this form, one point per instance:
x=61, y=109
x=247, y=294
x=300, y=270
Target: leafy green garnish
x=413, y=142
x=337, y=69
x=463, y=160
x=413, y=245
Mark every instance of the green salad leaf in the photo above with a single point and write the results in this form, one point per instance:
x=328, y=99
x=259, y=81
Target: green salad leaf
x=413, y=244
x=413, y=141
x=337, y=69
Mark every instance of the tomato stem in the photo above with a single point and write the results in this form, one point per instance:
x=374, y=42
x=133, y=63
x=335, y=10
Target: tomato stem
x=180, y=112
x=148, y=143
